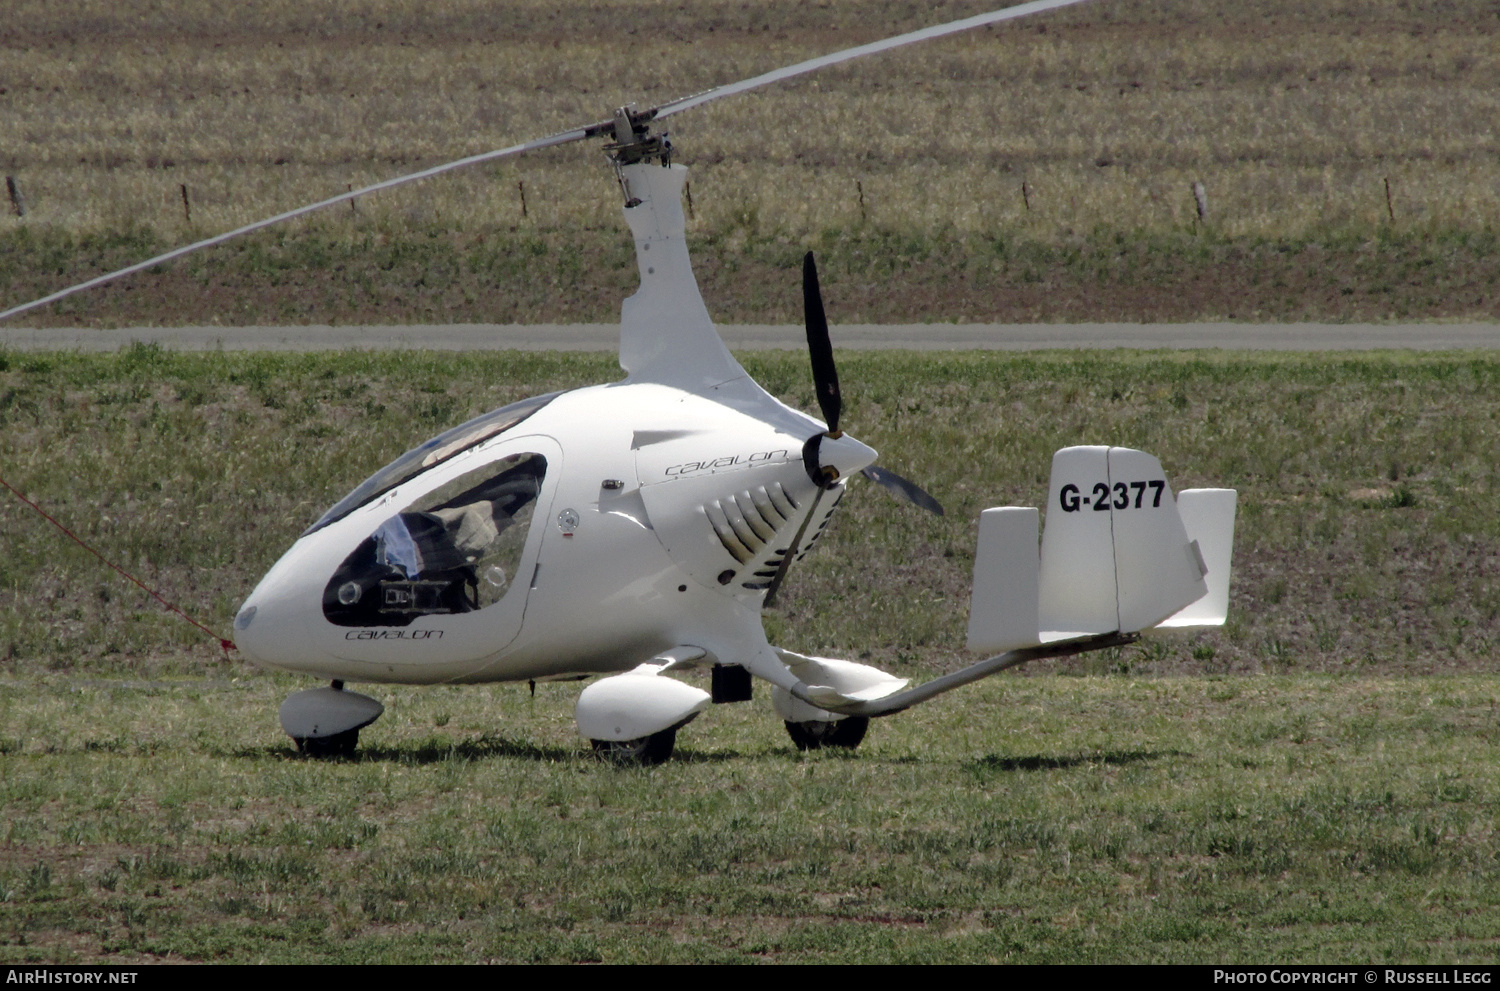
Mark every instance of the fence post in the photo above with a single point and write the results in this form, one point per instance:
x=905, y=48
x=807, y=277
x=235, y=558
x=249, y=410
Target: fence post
x=17, y=201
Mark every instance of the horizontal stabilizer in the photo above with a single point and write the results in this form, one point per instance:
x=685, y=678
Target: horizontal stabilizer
x=834, y=683
x=1116, y=555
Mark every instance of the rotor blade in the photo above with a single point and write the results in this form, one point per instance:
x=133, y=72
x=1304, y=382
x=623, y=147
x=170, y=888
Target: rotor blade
x=791, y=552
x=801, y=68
x=825, y=374
x=564, y=137
x=902, y=488
x=578, y=134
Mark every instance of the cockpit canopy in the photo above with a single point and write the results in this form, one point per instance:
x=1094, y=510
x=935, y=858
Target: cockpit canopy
x=435, y=451
x=456, y=549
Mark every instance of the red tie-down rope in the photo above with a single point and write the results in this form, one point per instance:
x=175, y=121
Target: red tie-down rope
x=225, y=645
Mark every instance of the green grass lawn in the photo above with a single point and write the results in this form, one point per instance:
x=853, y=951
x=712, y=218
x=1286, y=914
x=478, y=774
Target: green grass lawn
x=1046, y=819
x=1367, y=536
x=1315, y=782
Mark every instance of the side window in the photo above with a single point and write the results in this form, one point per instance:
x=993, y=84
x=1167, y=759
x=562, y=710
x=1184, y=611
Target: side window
x=455, y=550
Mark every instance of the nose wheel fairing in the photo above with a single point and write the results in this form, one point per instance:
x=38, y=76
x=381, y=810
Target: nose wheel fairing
x=325, y=722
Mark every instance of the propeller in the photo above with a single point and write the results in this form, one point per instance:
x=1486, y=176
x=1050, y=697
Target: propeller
x=902, y=488
x=825, y=375
x=632, y=142
x=831, y=402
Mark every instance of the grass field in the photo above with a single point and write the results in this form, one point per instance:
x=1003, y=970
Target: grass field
x=1315, y=782
x=1366, y=537
x=1038, y=170
x=1054, y=819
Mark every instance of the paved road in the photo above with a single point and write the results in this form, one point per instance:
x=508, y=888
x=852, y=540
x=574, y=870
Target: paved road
x=751, y=337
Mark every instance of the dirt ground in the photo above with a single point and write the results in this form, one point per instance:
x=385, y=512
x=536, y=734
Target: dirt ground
x=583, y=276
x=1034, y=171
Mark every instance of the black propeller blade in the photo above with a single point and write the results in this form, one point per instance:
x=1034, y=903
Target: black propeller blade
x=825, y=374
x=831, y=402
x=791, y=552
x=902, y=488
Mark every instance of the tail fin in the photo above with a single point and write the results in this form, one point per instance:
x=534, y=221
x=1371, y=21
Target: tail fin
x=1120, y=553
x=1208, y=515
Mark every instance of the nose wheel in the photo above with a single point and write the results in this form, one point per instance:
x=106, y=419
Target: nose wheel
x=816, y=734
x=338, y=745
x=325, y=722
x=645, y=751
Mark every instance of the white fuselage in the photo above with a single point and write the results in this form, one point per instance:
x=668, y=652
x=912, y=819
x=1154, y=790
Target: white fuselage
x=638, y=542
x=610, y=524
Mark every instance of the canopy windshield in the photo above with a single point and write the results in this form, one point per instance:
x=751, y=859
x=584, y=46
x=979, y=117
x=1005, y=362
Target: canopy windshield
x=436, y=451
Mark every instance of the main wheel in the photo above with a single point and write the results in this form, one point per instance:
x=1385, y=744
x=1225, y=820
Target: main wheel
x=645, y=751
x=337, y=745
x=846, y=732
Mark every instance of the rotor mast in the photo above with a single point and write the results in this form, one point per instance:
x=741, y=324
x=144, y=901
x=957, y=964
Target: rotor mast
x=634, y=144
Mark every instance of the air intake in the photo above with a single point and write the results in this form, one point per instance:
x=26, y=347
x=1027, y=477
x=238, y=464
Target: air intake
x=756, y=527
x=747, y=521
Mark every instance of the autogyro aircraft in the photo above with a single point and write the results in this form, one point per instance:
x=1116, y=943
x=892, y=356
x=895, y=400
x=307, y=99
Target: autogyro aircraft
x=639, y=528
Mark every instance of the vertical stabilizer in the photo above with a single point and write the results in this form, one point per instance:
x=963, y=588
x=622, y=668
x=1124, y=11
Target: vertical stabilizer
x=1078, y=588
x=1159, y=569
x=1208, y=515
x=1002, y=611
x=1119, y=554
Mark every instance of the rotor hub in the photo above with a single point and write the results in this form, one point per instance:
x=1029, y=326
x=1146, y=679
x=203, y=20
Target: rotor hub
x=634, y=143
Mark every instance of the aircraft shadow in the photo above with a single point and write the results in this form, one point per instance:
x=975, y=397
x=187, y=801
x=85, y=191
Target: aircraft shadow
x=1045, y=762
x=430, y=751
x=435, y=751
x=480, y=748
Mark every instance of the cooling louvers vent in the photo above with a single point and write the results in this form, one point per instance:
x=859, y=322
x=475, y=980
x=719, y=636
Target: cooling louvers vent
x=748, y=522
